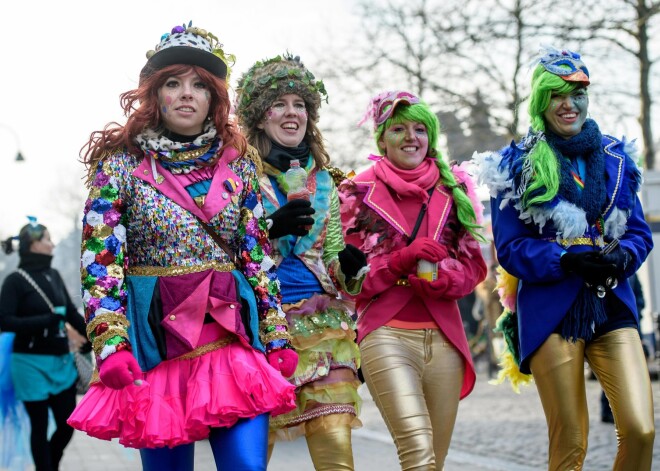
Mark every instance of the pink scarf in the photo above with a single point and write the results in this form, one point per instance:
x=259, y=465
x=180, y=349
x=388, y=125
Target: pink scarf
x=413, y=183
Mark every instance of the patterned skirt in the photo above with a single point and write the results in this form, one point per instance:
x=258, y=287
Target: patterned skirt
x=326, y=377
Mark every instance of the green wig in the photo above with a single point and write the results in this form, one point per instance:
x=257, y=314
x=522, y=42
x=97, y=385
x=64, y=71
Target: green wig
x=544, y=164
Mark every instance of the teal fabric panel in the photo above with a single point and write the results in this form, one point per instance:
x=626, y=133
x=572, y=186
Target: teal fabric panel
x=140, y=292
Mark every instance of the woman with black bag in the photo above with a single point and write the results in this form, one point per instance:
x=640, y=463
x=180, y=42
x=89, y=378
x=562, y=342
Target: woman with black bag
x=34, y=304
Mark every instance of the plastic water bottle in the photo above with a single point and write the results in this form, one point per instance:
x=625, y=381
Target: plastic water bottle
x=296, y=180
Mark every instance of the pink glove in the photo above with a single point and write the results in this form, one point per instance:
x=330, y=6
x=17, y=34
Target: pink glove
x=119, y=370
x=430, y=289
x=403, y=261
x=284, y=361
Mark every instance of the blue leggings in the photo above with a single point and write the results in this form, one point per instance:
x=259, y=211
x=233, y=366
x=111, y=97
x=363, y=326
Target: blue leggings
x=243, y=447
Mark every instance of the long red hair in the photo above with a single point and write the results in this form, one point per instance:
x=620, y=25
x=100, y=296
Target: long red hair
x=142, y=111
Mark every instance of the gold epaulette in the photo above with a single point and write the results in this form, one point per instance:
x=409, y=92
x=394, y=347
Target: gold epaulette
x=253, y=155
x=338, y=174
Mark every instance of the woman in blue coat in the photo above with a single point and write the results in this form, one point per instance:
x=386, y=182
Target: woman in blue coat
x=568, y=225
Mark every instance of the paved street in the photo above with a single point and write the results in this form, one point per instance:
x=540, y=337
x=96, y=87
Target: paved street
x=497, y=430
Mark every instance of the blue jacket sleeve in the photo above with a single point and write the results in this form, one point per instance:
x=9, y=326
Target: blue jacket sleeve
x=521, y=250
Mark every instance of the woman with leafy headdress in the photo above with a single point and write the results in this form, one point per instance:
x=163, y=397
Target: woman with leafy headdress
x=277, y=105
x=569, y=231
x=181, y=298
x=413, y=209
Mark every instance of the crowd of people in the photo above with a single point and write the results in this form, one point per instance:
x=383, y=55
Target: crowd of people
x=222, y=304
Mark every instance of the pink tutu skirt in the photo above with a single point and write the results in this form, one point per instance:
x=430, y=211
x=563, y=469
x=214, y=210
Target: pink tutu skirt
x=180, y=400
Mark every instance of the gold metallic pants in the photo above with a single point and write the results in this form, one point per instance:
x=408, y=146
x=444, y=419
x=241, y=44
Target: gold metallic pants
x=330, y=447
x=329, y=443
x=617, y=360
x=415, y=379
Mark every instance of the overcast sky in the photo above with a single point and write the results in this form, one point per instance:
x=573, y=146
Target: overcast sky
x=65, y=63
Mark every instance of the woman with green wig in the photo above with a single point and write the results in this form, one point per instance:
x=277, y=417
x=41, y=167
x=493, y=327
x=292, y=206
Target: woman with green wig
x=417, y=220
x=569, y=231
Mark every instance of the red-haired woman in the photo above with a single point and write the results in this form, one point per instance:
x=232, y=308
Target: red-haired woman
x=175, y=251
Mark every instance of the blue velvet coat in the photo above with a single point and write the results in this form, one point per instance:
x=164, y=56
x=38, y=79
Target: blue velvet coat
x=530, y=243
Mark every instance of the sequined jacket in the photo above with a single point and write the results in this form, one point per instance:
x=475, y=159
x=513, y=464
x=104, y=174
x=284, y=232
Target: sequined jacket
x=529, y=244
x=151, y=273
x=318, y=250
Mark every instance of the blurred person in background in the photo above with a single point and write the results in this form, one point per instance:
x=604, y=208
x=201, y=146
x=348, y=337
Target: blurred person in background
x=36, y=307
x=278, y=107
x=409, y=208
x=486, y=292
x=181, y=296
x=569, y=230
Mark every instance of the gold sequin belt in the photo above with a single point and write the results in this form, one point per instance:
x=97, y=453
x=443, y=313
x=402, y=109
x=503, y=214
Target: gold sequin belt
x=598, y=242
x=179, y=270
x=209, y=347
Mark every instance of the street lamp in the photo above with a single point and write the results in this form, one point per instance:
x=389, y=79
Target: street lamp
x=19, y=155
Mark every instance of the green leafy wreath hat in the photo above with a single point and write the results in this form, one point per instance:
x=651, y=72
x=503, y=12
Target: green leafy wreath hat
x=269, y=79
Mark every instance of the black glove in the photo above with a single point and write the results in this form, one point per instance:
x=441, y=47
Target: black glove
x=589, y=265
x=620, y=258
x=351, y=260
x=291, y=219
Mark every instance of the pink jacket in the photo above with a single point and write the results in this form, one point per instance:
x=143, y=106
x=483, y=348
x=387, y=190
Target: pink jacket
x=367, y=203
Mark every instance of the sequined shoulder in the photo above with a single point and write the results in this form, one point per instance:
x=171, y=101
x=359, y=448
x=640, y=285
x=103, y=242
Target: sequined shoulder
x=338, y=175
x=253, y=155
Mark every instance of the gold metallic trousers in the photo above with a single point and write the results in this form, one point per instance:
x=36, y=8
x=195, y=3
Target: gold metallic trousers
x=329, y=443
x=330, y=447
x=415, y=379
x=617, y=360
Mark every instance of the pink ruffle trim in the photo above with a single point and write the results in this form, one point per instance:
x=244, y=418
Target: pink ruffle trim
x=180, y=400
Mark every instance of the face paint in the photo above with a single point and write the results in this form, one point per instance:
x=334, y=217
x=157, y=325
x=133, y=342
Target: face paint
x=165, y=103
x=184, y=103
x=394, y=138
x=285, y=121
x=566, y=114
x=405, y=144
